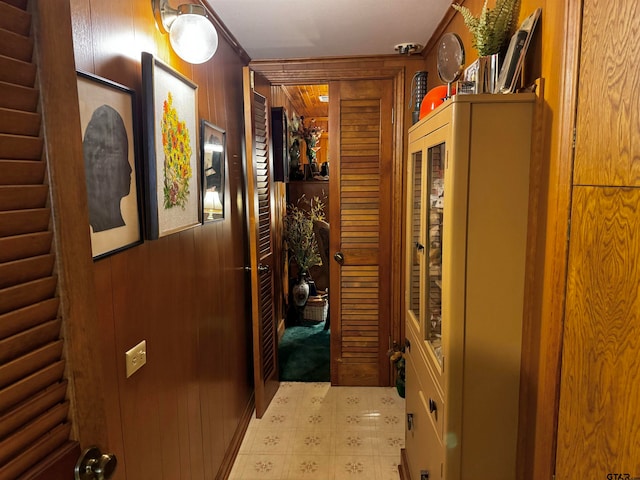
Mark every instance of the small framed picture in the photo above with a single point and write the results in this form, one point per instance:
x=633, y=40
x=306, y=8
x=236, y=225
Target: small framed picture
x=171, y=149
x=110, y=152
x=213, y=154
x=514, y=59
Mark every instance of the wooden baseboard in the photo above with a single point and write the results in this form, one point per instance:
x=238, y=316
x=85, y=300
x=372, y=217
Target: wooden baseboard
x=403, y=468
x=236, y=441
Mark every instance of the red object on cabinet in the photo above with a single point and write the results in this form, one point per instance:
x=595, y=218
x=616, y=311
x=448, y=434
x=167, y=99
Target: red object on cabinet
x=433, y=98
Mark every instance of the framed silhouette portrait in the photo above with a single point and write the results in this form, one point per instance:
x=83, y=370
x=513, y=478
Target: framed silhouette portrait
x=213, y=154
x=110, y=153
x=172, y=177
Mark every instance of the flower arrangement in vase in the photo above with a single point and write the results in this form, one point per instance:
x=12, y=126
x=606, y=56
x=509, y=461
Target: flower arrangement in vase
x=310, y=134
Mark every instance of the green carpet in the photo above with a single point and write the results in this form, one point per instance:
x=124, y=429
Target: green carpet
x=303, y=354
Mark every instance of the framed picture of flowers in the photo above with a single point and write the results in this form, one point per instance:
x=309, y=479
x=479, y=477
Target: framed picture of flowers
x=213, y=171
x=171, y=149
x=110, y=152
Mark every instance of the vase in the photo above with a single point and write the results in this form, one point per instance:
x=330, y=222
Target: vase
x=400, y=387
x=300, y=291
x=487, y=74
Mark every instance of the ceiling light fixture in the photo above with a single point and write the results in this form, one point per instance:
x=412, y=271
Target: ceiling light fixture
x=408, y=48
x=192, y=35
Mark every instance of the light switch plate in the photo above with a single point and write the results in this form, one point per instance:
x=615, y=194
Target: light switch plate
x=136, y=357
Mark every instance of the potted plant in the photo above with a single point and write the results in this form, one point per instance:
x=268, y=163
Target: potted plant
x=302, y=243
x=490, y=32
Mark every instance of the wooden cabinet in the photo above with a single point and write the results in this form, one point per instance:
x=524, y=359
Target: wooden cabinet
x=466, y=216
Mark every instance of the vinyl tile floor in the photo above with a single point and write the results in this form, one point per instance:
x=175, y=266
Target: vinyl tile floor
x=316, y=431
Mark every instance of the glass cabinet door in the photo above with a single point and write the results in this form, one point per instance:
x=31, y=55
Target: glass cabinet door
x=416, y=247
x=433, y=234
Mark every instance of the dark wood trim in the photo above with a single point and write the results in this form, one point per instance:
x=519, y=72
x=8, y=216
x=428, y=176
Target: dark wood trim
x=232, y=452
x=314, y=71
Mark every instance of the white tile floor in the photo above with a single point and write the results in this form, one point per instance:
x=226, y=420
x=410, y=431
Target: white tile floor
x=316, y=431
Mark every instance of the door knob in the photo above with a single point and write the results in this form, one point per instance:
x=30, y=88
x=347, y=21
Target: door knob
x=339, y=257
x=95, y=465
x=263, y=268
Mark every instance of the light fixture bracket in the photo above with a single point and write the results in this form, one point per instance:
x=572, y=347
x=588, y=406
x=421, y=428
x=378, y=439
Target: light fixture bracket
x=407, y=48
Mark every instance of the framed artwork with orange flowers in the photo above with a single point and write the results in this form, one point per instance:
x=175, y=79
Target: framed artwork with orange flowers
x=172, y=172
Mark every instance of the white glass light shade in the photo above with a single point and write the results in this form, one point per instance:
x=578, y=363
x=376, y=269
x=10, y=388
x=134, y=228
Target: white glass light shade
x=193, y=37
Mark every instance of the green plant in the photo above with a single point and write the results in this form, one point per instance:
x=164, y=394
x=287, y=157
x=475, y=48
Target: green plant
x=492, y=28
x=298, y=232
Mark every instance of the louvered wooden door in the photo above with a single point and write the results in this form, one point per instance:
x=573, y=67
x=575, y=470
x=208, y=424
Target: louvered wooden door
x=259, y=203
x=33, y=405
x=360, y=119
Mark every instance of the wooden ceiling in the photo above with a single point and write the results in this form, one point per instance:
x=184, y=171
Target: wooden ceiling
x=305, y=100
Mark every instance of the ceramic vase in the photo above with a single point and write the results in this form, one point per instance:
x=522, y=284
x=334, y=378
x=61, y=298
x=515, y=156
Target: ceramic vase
x=300, y=291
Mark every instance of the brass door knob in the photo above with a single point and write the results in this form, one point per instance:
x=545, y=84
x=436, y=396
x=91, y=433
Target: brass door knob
x=339, y=257
x=95, y=465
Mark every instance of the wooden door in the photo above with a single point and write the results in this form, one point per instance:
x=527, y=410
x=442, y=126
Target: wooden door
x=598, y=428
x=35, y=425
x=360, y=123
x=259, y=201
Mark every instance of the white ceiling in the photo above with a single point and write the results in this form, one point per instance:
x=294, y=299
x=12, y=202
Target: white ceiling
x=285, y=29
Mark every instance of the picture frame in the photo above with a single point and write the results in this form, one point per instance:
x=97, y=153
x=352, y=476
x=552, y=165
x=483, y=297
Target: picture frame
x=172, y=173
x=516, y=53
x=214, y=169
x=111, y=158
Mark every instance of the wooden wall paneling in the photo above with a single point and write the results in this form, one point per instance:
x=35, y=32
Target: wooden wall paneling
x=112, y=30
x=598, y=429
x=237, y=321
x=82, y=34
x=608, y=41
x=113, y=370
x=211, y=345
x=136, y=288
x=174, y=349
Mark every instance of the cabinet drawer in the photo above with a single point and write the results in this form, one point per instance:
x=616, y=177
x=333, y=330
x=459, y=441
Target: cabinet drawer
x=429, y=394
x=423, y=446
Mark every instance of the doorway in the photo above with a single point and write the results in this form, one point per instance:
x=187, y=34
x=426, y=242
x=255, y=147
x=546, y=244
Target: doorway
x=304, y=343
